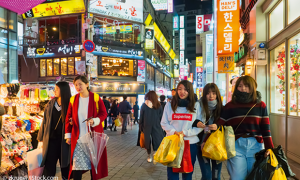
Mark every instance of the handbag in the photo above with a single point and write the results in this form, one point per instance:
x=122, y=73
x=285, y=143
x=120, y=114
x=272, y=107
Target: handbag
x=186, y=163
x=142, y=140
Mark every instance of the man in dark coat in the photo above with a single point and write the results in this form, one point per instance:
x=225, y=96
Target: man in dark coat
x=107, y=106
x=162, y=101
x=124, y=109
x=136, y=109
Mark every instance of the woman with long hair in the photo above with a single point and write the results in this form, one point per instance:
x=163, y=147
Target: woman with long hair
x=151, y=113
x=211, y=107
x=52, y=133
x=249, y=118
x=83, y=106
x=114, y=114
x=178, y=118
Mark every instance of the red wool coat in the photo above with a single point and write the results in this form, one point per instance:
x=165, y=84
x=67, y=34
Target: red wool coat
x=74, y=130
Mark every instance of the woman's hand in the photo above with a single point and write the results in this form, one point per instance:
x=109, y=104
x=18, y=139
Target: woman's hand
x=68, y=141
x=178, y=133
x=267, y=153
x=91, y=122
x=213, y=127
x=202, y=145
x=200, y=125
x=71, y=122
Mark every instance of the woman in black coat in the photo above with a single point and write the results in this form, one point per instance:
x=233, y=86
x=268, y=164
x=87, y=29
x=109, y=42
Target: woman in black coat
x=114, y=114
x=150, y=117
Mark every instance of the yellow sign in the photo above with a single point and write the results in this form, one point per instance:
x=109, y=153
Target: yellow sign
x=199, y=61
x=126, y=28
x=148, y=20
x=172, y=54
x=56, y=8
x=226, y=63
x=161, y=38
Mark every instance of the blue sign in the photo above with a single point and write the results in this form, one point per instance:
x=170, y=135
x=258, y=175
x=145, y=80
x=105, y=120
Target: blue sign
x=262, y=45
x=89, y=46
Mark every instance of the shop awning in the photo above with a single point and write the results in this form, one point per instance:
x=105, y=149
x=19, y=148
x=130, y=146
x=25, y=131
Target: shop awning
x=20, y=6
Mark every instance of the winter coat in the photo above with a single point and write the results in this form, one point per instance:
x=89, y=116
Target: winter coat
x=150, y=125
x=106, y=104
x=74, y=130
x=136, y=109
x=44, y=135
x=114, y=112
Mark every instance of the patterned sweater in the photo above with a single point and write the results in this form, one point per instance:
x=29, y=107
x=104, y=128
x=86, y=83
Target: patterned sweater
x=256, y=123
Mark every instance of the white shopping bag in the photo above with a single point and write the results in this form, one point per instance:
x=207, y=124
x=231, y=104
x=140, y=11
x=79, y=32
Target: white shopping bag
x=35, y=159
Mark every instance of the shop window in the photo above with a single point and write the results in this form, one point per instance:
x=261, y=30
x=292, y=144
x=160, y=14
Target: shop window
x=276, y=20
x=49, y=67
x=43, y=67
x=3, y=18
x=159, y=77
x=118, y=67
x=293, y=10
x=68, y=30
x=56, y=67
x=41, y=30
x=71, y=66
x=277, y=57
x=167, y=82
x=13, y=21
x=52, y=31
x=63, y=66
x=150, y=72
x=3, y=61
x=77, y=59
x=294, y=59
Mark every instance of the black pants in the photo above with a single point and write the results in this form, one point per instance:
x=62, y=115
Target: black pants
x=105, y=123
x=54, y=154
x=77, y=175
x=136, y=119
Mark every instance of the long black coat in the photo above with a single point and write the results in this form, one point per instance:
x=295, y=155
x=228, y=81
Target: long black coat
x=150, y=125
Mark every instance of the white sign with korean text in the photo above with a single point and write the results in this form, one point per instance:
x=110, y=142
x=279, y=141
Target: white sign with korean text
x=181, y=58
x=181, y=21
x=89, y=59
x=182, y=39
x=124, y=9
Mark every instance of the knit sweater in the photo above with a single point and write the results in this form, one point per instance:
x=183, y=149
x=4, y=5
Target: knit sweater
x=256, y=123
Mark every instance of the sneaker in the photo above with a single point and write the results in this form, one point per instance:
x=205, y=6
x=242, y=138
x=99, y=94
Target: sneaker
x=149, y=159
x=126, y=130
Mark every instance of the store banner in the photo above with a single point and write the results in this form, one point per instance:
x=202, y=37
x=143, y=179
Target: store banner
x=56, y=7
x=170, y=6
x=161, y=38
x=181, y=21
x=118, y=52
x=228, y=24
x=113, y=88
x=80, y=67
x=160, y=5
x=203, y=23
x=141, y=70
x=124, y=9
x=52, y=51
x=149, y=37
x=94, y=67
x=182, y=39
x=226, y=63
x=199, y=61
x=175, y=22
x=199, y=77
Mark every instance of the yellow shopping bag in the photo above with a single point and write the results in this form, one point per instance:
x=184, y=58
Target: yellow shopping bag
x=278, y=173
x=177, y=161
x=214, y=147
x=118, y=122
x=167, y=150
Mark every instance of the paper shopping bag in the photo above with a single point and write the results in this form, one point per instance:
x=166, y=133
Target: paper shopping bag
x=186, y=163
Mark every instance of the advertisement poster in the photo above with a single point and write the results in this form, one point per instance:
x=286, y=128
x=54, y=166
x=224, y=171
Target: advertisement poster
x=129, y=10
x=149, y=30
x=94, y=69
x=80, y=67
x=141, y=71
x=89, y=59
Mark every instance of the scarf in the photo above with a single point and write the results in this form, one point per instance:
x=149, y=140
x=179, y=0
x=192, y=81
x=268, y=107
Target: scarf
x=183, y=103
x=212, y=105
x=244, y=97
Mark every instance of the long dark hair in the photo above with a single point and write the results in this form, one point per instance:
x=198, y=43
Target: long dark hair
x=191, y=97
x=152, y=96
x=216, y=113
x=251, y=83
x=65, y=94
x=114, y=103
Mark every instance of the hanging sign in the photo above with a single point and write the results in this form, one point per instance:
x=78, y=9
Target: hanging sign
x=89, y=59
x=226, y=63
x=228, y=34
x=141, y=70
x=203, y=23
x=149, y=37
x=88, y=46
x=199, y=61
x=175, y=22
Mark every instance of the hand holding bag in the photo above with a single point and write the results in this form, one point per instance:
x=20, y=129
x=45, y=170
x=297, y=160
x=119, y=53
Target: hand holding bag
x=167, y=150
x=177, y=161
x=186, y=163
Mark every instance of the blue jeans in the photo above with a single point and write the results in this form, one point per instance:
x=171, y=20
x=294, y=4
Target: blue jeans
x=185, y=176
x=240, y=166
x=212, y=172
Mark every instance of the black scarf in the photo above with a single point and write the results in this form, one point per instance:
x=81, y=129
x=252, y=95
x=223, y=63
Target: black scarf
x=183, y=103
x=244, y=97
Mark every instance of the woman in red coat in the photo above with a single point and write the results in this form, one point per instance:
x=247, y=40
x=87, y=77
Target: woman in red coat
x=82, y=106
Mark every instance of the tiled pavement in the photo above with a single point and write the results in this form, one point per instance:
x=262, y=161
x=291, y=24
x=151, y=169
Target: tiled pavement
x=127, y=161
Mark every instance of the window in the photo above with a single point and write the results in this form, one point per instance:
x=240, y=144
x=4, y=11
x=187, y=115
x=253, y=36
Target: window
x=150, y=72
x=190, y=38
x=13, y=21
x=58, y=66
x=277, y=79
x=43, y=67
x=191, y=52
x=64, y=66
x=159, y=77
x=276, y=20
x=71, y=63
x=41, y=31
x=68, y=30
x=191, y=17
x=118, y=67
x=190, y=24
x=293, y=10
x=191, y=45
x=49, y=67
x=3, y=19
x=191, y=31
x=52, y=31
x=167, y=82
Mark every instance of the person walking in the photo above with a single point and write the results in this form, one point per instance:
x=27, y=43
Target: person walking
x=124, y=109
x=114, y=112
x=151, y=113
x=211, y=107
x=83, y=106
x=178, y=118
x=248, y=116
x=107, y=106
x=162, y=99
x=136, y=109
x=52, y=133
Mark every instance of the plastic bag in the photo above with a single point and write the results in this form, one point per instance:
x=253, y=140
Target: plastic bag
x=35, y=159
x=118, y=122
x=282, y=160
x=278, y=173
x=142, y=140
x=230, y=142
x=177, y=161
x=167, y=150
x=214, y=147
x=186, y=163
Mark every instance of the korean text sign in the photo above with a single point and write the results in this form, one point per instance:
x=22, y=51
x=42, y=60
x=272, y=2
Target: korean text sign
x=226, y=63
x=228, y=26
x=130, y=9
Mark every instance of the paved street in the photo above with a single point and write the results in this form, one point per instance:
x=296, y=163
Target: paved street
x=128, y=161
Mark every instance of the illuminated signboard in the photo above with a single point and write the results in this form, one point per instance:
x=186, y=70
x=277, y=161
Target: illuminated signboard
x=182, y=39
x=161, y=38
x=226, y=63
x=181, y=21
x=199, y=61
x=148, y=20
x=228, y=34
x=159, y=4
x=149, y=37
x=170, y=6
x=53, y=8
x=172, y=54
x=181, y=57
x=176, y=68
x=175, y=22
x=203, y=23
x=130, y=9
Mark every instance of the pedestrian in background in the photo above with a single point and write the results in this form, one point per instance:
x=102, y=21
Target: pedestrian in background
x=184, y=105
x=173, y=92
x=114, y=112
x=151, y=113
x=136, y=109
x=52, y=133
x=125, y=109
x=107, y=107
x=162, y=101
x=211, y=107
x=253, y=133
